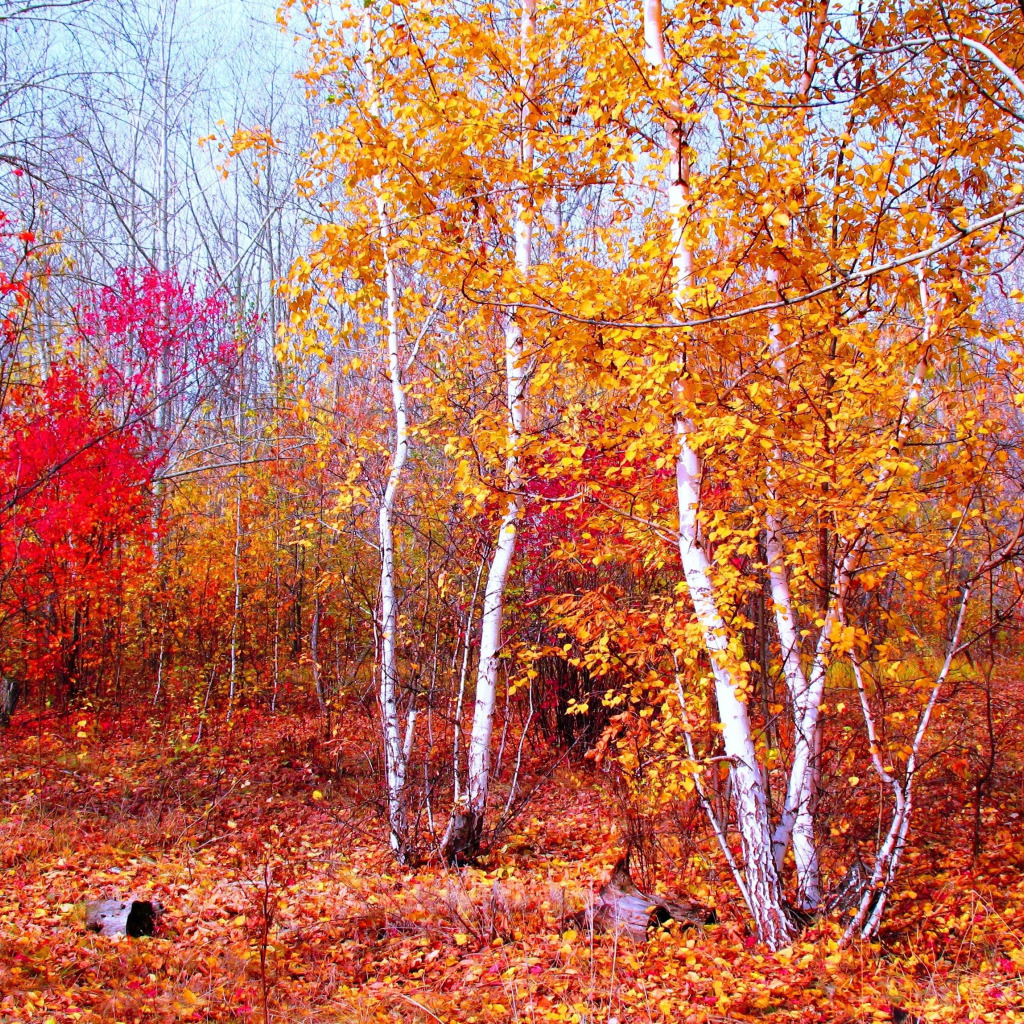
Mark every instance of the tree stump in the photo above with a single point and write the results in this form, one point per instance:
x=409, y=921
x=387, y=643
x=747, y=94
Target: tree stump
x=461, y=842
x=10, y=691
x=133, y=918
x=621, y=907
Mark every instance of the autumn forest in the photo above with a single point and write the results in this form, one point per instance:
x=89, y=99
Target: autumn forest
x=511, y=512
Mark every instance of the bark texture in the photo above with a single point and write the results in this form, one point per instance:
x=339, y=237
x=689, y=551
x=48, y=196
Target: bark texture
x=10, y=691
x=395, y=750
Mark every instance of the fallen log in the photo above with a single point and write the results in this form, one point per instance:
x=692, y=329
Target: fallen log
x=133, y=918
x=623, y=908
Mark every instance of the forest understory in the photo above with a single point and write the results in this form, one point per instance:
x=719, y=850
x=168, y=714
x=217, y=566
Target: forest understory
x=265, y=847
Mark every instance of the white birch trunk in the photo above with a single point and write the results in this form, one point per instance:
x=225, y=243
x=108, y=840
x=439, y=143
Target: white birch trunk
x=797, y=821
x=478, y=754
x=763, y=887
x=782, y=602
x=761, y=878
x=798, y=818
x=802, y=793
x=457, y=737
x=887, y=861
x=395, y=747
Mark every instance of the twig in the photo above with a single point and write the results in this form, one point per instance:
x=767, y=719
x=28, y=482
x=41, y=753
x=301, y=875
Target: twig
x=419, y=1006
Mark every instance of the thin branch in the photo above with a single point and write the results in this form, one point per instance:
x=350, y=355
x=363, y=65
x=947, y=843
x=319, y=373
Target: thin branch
x=849, y=280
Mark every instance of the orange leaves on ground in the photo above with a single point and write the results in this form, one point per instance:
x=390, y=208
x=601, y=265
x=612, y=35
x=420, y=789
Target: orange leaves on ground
x=350, y=938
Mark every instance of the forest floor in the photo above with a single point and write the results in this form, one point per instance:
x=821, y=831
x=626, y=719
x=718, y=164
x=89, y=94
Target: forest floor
x=280, y=895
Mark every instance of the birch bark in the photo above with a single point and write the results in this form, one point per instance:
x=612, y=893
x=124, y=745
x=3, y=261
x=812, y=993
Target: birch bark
x=802, y=792
x=761, y=877
x=797, y=823
x=478, y=754
x=887, y=861
x=395, y=748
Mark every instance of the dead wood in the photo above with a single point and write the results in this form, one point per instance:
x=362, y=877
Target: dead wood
x=848, y=892
x=133, y=918
x=901, y=1016
x=622, y=907
x=10, y=691
x=461, y=842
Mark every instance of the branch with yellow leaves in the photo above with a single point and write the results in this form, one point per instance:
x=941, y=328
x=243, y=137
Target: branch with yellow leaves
x=859, y=277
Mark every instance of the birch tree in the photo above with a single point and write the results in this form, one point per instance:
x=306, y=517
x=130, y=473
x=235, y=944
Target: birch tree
x=757, y=281
x=390, y=682
x=762, y=883
x=464, y=833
